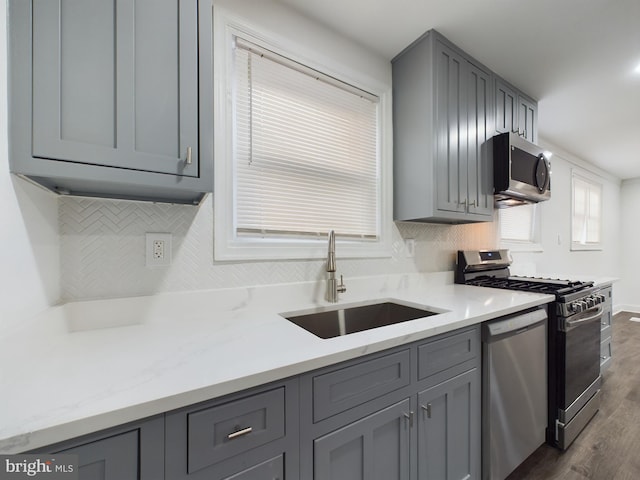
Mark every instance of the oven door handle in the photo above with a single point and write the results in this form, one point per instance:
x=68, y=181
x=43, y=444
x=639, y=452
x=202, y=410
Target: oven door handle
x=571, y=324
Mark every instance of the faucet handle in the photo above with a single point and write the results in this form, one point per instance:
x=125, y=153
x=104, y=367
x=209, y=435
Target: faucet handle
x=342, y=287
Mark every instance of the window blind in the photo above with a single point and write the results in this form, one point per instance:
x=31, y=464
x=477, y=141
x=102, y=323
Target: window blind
x=306, y=150
x=587, y=214
x=517, y=224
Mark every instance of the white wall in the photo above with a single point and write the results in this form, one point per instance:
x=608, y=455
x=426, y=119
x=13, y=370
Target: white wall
x=557, y=257
x=629, y=288
x=29, y=242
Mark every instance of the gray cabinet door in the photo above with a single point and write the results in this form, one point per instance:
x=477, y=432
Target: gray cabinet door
x=451, y=130
x=113, y=458
x=373, y=448
x=515, y=112
x=131, y=452
x=527, y=118
x=506, y=108
x=449, y=429
x=270, y=470
x=479, y=107
x=115, y=83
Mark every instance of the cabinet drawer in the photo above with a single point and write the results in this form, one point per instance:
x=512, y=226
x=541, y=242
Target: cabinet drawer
x=340, y=390
x=440, y=355
x=271, y=469
x=217, y=433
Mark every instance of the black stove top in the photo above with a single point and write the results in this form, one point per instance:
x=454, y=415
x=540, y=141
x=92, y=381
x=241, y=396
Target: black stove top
x=527, y=284
x=490, y=268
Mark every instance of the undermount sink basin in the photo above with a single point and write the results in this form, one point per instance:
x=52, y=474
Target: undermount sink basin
x=343, y=321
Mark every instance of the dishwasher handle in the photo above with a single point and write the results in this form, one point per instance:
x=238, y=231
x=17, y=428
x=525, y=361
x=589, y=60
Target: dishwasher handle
x=514, y=324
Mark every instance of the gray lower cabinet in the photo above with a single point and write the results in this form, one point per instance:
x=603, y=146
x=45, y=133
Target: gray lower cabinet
x=130, y=452
x=515, y=112
x=448, y=422
x=606, y=330
x=373, y=448
x=106, y=98
x=443, y=114
x=412, y=412
x=251, y=435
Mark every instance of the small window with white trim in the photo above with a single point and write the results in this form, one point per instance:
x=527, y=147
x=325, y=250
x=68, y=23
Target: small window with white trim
x=586, y=212
x=520, y=228
x=303, y=157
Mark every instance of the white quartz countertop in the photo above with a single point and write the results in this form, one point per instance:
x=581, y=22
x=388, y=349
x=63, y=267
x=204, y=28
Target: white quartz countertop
x=86, y=366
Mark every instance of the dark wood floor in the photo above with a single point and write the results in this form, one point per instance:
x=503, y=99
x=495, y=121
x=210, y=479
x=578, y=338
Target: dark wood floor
x=609, y=447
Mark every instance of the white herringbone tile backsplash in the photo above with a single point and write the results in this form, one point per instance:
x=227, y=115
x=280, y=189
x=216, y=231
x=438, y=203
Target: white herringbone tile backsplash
x=103, y=251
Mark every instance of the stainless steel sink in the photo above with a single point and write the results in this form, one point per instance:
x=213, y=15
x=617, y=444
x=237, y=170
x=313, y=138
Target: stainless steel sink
x=343, y=321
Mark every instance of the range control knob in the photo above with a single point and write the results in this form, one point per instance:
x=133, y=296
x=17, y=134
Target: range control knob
x=590, y=302
x=576, y=307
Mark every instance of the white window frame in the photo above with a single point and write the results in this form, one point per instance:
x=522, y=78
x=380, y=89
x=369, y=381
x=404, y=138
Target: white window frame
x=534, y=244
x=228, y=245
x=584, y=176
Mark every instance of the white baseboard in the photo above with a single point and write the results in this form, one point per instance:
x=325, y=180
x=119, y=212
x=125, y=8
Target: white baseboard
x=626, y=308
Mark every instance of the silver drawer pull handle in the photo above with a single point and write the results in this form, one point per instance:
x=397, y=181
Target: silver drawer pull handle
x=239, y=433
x=188, y=160
x=427, y=409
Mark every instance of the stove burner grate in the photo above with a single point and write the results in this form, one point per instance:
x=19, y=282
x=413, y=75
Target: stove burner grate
x=525, y=284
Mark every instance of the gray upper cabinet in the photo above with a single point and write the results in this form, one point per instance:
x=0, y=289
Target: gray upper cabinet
x=443, y=114
x=109, y=97
x=515, y=111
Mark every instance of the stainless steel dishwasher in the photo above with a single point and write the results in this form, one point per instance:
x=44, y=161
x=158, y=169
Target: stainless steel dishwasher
x=514, y=390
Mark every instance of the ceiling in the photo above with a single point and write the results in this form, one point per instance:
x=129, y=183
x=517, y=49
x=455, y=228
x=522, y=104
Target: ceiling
x=576, y=57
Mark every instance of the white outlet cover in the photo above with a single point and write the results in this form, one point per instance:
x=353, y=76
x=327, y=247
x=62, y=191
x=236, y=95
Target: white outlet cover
x=410, y=247
x=151, y=261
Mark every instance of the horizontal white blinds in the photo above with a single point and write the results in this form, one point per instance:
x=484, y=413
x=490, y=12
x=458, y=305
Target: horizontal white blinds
x=517, y=224
x=306, y=158
x=587, y=214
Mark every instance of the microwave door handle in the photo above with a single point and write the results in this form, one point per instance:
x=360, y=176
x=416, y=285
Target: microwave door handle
x=571, y=324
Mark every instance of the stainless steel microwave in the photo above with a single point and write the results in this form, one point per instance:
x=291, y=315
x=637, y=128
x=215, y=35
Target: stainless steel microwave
x=521, y=171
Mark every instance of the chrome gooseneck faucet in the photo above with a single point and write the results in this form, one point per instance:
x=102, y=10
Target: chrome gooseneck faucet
x=332, y=284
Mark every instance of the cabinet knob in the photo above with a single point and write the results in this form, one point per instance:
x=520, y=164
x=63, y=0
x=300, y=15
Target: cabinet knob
x=427, y=409
x=409, y=418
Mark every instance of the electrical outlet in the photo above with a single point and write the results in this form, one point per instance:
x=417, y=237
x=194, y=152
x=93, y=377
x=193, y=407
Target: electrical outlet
x=410, y=247
x=158, y=249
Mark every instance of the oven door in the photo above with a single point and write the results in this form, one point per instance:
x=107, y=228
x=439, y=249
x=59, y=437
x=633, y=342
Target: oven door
x=579, y=385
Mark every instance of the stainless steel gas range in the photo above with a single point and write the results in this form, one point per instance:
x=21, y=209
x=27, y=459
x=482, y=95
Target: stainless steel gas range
x=573, y=337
